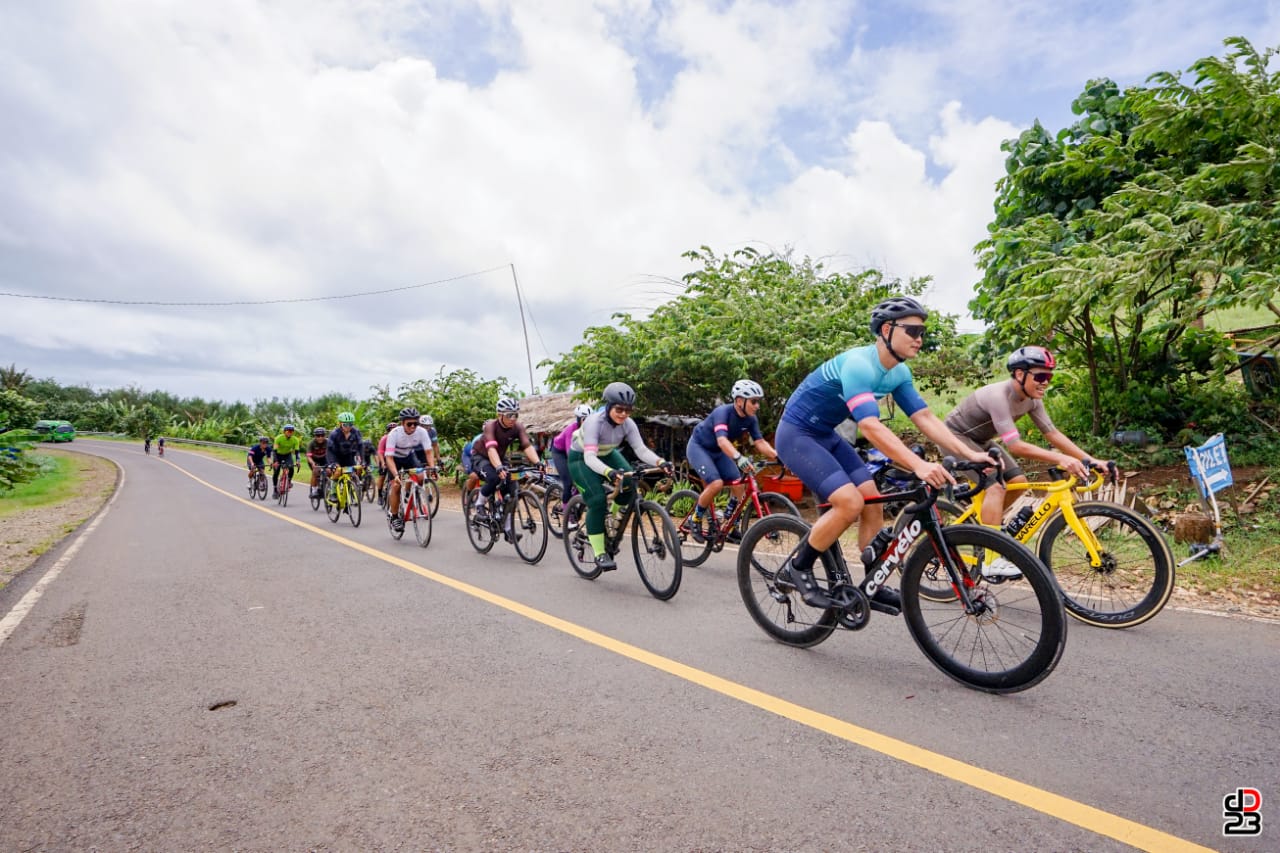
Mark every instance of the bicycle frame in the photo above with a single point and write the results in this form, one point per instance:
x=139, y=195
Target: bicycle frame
x=411, y=481
x=1059, y=497
x=724, y=525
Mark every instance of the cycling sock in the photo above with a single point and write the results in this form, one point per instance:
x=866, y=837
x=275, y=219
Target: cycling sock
x=597, y=543
x=701, y=511
x=730, y=506
x=805, y=556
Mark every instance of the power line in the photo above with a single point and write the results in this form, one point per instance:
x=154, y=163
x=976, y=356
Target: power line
x=157, y=303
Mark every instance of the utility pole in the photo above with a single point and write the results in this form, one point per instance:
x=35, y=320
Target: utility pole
x=520, y=303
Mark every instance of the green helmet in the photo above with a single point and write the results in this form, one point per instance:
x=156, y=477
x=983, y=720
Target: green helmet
x=346, y=418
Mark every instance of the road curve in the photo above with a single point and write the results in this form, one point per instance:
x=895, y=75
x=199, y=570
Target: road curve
x=206, y=672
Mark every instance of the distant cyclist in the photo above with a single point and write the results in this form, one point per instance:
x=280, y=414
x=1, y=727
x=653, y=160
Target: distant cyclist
x=469, y=462
x=285, y=454
x=596, y=460
x=408, y=446
x=988, y=418
x=712, y=453
x=258, y=456
x=845, y=386
x=560, y=451
x=316, y=451
x=146, y=444
x=160, y=444
x=381, y=457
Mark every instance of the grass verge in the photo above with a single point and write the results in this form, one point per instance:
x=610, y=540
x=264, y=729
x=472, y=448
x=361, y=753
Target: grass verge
x=55, y=483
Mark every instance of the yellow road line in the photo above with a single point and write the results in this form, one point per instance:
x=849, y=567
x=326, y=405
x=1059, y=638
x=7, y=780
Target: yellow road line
x=1084, y=816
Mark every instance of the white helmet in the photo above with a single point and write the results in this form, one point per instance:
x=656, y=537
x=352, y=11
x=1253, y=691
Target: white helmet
x=582, y=411
x=747, y=388
x=508, y=406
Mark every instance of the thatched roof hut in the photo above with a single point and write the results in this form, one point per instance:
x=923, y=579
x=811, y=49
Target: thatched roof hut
x=547, y=414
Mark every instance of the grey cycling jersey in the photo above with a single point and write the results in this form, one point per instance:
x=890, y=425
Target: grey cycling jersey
x=992, y=412
x=599, y=435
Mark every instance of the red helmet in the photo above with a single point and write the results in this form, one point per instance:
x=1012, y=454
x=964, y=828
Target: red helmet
x=1030, y=358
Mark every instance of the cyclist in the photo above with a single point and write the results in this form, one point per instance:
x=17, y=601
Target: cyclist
x=258, y=455
x=316, y=452
x=469, y=463
x=407, y=447
x=489, y=463
x=285, y=450
x=429, y=426
x=560, y=451
x=345, y=443
x=595, y=454
x=160, y=444
x=381, y=457
x=712, y=454
x=146, y=444
x=988, y=418
x=849, y=385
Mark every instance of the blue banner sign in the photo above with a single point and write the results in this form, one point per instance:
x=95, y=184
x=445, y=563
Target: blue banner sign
x=1213, y=471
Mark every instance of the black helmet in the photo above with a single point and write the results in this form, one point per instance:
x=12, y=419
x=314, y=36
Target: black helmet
x=619, y=394
x=408, y=413
x=261, y=439
x=1029, y=358
x=894, y=309
x=318, y=431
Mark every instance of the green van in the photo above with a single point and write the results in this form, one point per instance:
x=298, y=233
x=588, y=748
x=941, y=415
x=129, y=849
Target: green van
x=55, y=430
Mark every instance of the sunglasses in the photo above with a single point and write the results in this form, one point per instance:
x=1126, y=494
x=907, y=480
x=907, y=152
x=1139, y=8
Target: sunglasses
x=1042, y=378
x=512, y=415
x=410, y=423
x=625, y=409
x=912, y=331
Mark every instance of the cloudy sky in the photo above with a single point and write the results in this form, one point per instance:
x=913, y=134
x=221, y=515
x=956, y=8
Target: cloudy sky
x=244, y=151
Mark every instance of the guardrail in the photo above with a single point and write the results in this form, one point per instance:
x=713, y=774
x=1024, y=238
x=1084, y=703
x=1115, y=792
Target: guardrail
x=169, y=440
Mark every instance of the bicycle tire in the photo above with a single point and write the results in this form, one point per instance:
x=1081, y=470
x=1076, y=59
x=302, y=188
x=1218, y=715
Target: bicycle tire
x=935, y=584
x=1015, y=642
x=529, y=521
x=656, y=548
x=282, y=496
x=333, y=501
x=681, y=506
x=354, y=506
x=576, y=545
x=368, y=487
x=431, y=492
x=481, y=535
x=553, y=502
x=1137, y=573
x=395, y=534
x=771, y=503
x=260, y=487
x=317, y=496
x=769, y=543
x=422, y=523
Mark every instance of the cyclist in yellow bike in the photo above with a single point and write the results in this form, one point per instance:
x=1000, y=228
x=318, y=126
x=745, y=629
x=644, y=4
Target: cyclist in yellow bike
x=988, y=417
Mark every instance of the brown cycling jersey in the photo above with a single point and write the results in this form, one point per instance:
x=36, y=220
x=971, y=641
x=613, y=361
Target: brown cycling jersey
x=992, y=412
x=316, y=450
x=500, y=437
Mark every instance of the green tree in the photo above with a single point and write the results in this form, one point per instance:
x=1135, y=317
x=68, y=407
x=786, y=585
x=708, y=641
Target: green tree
x=459, y=402
x=13, y=379
x=17, y=411
x=1113, y=240
x=746, y=314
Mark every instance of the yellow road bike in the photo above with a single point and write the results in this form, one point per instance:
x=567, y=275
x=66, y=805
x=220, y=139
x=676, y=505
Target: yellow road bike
x=342, y=494
x=1114, y=566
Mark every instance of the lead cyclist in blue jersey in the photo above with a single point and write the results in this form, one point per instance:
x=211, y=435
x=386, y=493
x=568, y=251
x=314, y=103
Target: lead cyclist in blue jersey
x=848, y=386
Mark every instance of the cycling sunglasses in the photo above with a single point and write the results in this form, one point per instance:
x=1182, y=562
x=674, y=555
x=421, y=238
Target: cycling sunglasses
x=621, y=408
x=915, y=332
x=411, y=423
x=1042, y=378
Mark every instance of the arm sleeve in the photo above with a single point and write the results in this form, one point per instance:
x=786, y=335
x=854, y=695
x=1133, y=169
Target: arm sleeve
x=591, y=446
x=857, y=383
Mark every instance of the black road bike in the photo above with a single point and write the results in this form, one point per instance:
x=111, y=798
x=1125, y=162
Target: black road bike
x=999, y=636
x=521, y=518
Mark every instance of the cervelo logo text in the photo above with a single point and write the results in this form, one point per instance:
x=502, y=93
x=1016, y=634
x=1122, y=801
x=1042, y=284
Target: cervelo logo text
x=893, y=557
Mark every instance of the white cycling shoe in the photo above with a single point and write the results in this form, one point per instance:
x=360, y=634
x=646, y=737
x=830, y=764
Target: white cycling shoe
x=1001, y=569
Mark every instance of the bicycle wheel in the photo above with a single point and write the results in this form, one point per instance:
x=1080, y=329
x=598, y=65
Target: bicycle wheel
x=368, y=487
x=354, y=506
x=422, y=522
x=656, y=547
x=576, y=545
x=529, y=523
x=1136, y=576
x=769, y=543
x=286, y=481
x=317, y=495
x=680, y=506
x=432, y=495
x=261, y=483
x=935, y=583
x=1016, y=634
x=771, y=503
x=481, y=533
x=333, y=500
x=553, y=503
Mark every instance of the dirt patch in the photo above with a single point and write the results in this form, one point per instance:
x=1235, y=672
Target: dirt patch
x=31, y=532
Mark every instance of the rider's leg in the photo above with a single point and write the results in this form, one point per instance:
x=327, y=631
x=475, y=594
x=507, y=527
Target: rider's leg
x=393, y=498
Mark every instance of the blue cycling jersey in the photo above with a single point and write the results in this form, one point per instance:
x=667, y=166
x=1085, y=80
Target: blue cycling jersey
x=724, y=420
x=849, y=385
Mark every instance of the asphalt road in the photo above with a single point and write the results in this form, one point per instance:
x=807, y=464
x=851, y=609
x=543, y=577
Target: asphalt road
x=206, y=673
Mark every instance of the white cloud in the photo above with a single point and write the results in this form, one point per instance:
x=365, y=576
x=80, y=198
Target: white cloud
x=289, y=150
